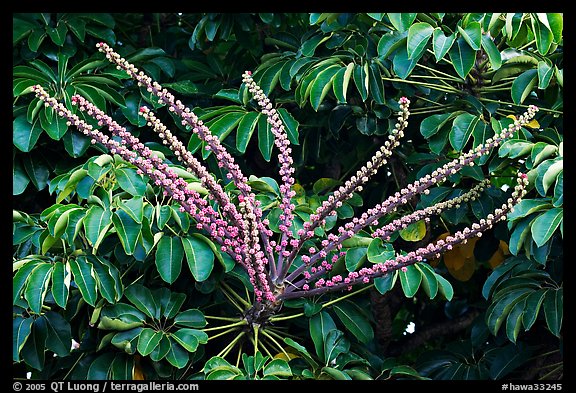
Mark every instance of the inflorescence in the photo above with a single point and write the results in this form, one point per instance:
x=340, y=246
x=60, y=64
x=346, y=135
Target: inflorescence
x=236, y=222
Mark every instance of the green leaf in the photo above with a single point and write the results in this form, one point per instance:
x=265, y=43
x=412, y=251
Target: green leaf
x=544, y=226
x=169, y=256
x=96, y=223
x=553, y=310
x=121, y=316
x=184, y=87
x=187, y=339
x=361, y=81
x=320, y=324
x=492, y=51
x=543, y=35
x=61, y=277
x=341, y=82
x=472, y=34
x=533, y=304
x=429, y=281
x=21, y=329
x=403, y=65
x=355, y=257
x=59, y=338
x=334, y=344
x=462, y=129
x=245, y=130
x=445, y=287
x=432, y=124
x=148, y=340
x=177, y=356
x=192, y=318
x=519, y=234
x=523, y=85
x=514, y=320
x=19, y=178
x=558, y=199
x=277, y=367
x=290, y=124
x=132, y=110
x=83, y=274
x=376, y=84
x=391, y=41
x=401, y=21
x=322, y=85
x=410, y=280
x=528, y=206
x=462, y=57
x=441, y=44
x=130, y=181
x=551, y=174
x=33, y=351
x=199, y=256
x=58, y=33
x=37, y=286
x=418, y=36
x=545, y=72
x=498, y=311
x=354, y=320
x=514, y=148
x=161, y=350
x=24, y=134
x=268, y=79
x=385, y=283
x=127, y=229
x=142, y=298
x=37, y=171
x=265, y=137
x=378, y=252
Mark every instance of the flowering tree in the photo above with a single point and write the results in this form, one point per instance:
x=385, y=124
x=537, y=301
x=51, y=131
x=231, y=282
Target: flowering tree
x=281, y=261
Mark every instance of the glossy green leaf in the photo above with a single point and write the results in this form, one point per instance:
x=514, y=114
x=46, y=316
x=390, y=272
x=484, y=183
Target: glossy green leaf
x=545, y=73
x=59, y=338
x=21, y=329
x=127, y=229
x=355, y=257
x=441, y=43
x=142, y=298
x=528, y=206
x=20, y=279
x=361, y=80
x=192, y=318
x=33, y=351
x=24, y=134
x=519, y=235
x=199, y=256
x=84, y=278
x=173, y=301
x=320, y=324
x=410, y=280
x=96, y=224
x=56, y=127
x=354, y=320
x=429, y=279
x=169, y=256
x=265, y=137
x=148, y=340
x=385, y=283
x=551, y=174
x=544, y=37
x=100, y=368
x=391, y=41
x=380, y=252
x=544, y=226
x=122, y=368
x=245, y=130
x=177, y=356
x=554, y=310
x=523, y=85
x=108, y=278
x=61, y=277
x=445, y=287
x=290, y=125
x=432, y=124
x=37, y=286
x=334, y=344
x=462, y=57
x=462, y=130
x=498, y=311
x=19, y=178
x=376, y=85
x=277, y=367
x=532, y=309
x=514, y=320
x=403, y=65
x=418, y=36
x=472, y=34
x=187, y=339
x=130, y=181
x=492, y=51
x=341, y=82
x=401, y=21
x=322, y=85
x=121, y=316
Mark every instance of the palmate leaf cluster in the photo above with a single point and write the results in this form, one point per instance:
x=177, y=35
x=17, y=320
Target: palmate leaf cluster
x=116, y=282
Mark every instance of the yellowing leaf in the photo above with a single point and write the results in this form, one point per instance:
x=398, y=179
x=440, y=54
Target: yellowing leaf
x=467, y=249
x=286, y=355
x=533, y=124
x=414, y=232
x=466, y=271
x=137, y=373
x=435, y=261
x=499, y=255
